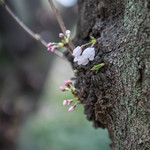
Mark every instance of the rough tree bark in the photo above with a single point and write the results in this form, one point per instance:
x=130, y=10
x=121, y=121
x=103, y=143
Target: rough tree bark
x=118, y=97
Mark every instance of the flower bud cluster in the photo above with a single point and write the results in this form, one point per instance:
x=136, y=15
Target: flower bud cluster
x=71, y=88
x=52, y=46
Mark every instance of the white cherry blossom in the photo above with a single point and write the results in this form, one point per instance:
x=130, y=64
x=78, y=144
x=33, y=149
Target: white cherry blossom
x=89, y=53
x=77, y=51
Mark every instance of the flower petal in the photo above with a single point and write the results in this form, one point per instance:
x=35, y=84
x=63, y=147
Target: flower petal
x=77, y=51
x=89, y=53
x=81, y=60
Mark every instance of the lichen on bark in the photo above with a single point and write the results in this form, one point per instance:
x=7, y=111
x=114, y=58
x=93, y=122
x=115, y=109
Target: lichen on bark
x=118, y=97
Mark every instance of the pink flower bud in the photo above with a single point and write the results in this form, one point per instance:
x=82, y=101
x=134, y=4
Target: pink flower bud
x=53, y=49
x=65, y=102
x=49, y=48
x=62, y=88
x=68, y=32
x=69, y=102
x=61, y=35
x=50, y=44
x=68, y=83
x=72, y=108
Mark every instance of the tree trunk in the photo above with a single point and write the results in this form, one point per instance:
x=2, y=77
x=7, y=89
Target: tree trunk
x=118, y=97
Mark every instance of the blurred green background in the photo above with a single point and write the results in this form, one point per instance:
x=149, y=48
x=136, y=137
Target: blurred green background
x=53, y=127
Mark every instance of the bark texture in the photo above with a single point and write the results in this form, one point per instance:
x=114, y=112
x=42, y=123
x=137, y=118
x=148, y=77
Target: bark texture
x=118, y=97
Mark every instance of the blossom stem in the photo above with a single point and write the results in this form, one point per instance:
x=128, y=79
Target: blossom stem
x=86, y=44
x=59, y=18
x=98, y=44
x=35, y=36
x=61, y=23
x=78, y=102
x=76, y=99
x=69, y=50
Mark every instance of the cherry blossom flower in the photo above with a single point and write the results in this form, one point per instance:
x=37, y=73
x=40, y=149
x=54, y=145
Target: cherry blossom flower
x=81, y=60
x=89, y=53
x=77, y=51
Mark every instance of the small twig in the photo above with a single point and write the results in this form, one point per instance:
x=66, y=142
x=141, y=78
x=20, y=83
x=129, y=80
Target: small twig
x=61, y=23
x=69, y=50
x=35, y=36
x=99, y=45
x=59, y=18
x=71, y=45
